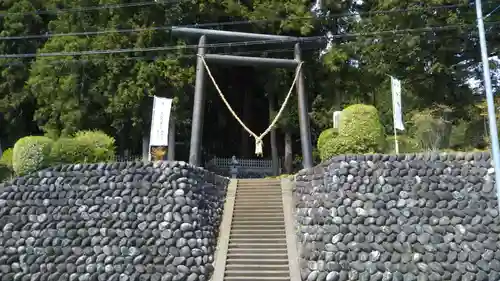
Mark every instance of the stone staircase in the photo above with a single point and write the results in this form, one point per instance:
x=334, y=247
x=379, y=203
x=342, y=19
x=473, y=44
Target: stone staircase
x=257, y=244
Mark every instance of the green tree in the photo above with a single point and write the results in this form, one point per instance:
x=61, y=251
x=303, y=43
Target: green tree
x=16, y=104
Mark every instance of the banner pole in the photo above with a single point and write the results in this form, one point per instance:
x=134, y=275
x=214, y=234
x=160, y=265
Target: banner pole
x=489, y=98
x=396, y=145
x=151, y=127
x=396, y=108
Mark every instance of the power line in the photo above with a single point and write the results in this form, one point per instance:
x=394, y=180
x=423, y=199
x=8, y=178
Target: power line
x=318, y=39
x=164, y=48
x=91, y=8
x=159, y=2
x=230, y=23
x=492, y=12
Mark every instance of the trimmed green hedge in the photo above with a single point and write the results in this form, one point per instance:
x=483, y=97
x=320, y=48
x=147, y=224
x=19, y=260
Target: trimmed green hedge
x=103, y=146
x=31, y=154
x=67, y=150
x=325, y=136
x=361, y=124
x=360, y=132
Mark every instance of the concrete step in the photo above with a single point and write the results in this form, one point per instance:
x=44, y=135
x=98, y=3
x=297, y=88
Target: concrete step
x=275, y=203
x=244, y=251
x=260, y=215
x=274, y=199
x=262, y=226
x=276, y=223
x=258, y=219
x=249, y=217
x=254, y=197
x=259, y=240
x=258, y=231
x=244, y=216
x=246, y=245
x=259, y=186
x=242, y=182
x=252, y=220
x=259, y=193
x=254, y=213
x=251, y=235
x=245, y=211
x=260, y=278
x=261, y=205
x=258, y=256
x=259, y=273
x=273, y=186
x=258, y=224
x=258, y=207
x=264, y=202
x=252, y=261
x=247, y=214
x=258, y=267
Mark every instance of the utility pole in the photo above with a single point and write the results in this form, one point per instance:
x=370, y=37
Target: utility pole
x=489, y=98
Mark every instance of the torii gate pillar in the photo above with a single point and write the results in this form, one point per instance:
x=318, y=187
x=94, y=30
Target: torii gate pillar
x=198, y=106
x=305, y=131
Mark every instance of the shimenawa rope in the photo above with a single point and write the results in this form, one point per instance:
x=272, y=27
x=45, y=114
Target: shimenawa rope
x=258, y=139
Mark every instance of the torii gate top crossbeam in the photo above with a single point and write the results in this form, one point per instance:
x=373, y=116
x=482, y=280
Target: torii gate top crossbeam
x=231, y=35
x=240, y=60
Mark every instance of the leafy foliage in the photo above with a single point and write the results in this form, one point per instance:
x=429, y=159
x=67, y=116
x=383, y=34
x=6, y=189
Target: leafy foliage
x=405, y=144
x=360, y=132
x=58, y=96
x=430, y=127
x=31, y=154
x=360, y=124
x=325, y=136
x=7, y=157
x=6, y=165
x=100, y=145
x=69, y=150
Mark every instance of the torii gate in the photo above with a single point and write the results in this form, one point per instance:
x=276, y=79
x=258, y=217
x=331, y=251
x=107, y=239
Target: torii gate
x=199, y=94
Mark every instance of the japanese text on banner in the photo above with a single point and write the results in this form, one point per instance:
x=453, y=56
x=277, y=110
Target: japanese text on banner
x=160, y=121
x=396, y=104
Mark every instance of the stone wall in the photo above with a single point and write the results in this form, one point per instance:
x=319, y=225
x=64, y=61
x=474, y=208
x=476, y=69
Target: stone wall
x=407, y=217
x=111, y=222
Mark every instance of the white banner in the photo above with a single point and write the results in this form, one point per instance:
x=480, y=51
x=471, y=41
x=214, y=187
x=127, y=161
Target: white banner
x=160, y=121
x=396, y=104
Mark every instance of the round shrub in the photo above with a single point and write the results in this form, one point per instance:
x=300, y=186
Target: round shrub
x=67, y=150
x=31, y=154
x=103, y=146
x=324, y=136
x=405, y=144
x=362, y=127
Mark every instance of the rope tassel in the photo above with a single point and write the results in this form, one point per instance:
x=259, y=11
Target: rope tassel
x=258, y=139
x=259, y=147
